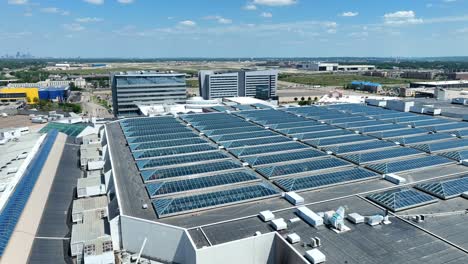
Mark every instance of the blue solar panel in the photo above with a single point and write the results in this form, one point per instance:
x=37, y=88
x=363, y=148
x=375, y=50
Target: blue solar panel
x=410, y=119
x=171, y=206
x=180, y=159
x=289, y=156
x=376, y=144
x=254, y=142
x=347, y=120
x=182, y=171
x=456, y=155
x=324, y=180
x=431, y=122
x=444, y=145
x=236, y=130
x=170, y=187
x=316, y=128
x=307, y=166
x=409, y=164
x=402, y=199
x=337, y=140
x=362, y=124
x=295, y=125
x=167, y=143
x=381, y=128
x=161, y=137
x=381, y=155
x=259, y=134
x=448, y=127
x=246, y=151
x=324, y=134
x=445, y=189
x=146, y=132
x=399, y=133
x=173, y=151
x=459, y=133
x=15, y=204
x=421, y=138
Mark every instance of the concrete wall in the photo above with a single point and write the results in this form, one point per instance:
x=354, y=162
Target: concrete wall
x=269, y=248
x=252, y=250
x=164, y=242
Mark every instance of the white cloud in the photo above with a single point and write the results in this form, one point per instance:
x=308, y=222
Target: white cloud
x=54, y=10
x=349, y=14
x=402, y=18
x=88, y=19
x=266, y=14
x=275, y=2
x=462, y=30
x=95, y=2
x=27, y=14
x=17, y=2
x=449, y=1
x=250, y=7
x=219, y=19
x=73, y=27
x=125, y=1
x=187, y=23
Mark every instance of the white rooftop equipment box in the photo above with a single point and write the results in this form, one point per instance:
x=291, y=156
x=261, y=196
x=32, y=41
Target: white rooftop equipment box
x=279, y=224
x=266, y=216
x=356, y=218
x=309, y=216
x=393, y=178
x=293, y=238
x=294, y=198
x=315, y=256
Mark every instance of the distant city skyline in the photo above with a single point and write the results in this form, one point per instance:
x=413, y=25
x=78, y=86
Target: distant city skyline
x=237, y=28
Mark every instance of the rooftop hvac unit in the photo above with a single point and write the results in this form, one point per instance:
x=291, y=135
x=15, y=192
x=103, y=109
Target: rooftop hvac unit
x=375, y=220
x=202, y=134
x=309, y=216
x=279, y=224
x=315, y=256
x=294, y=198
x=356, y=218
x=266, y=216
x=293, y=238
x=267, y=127
x=221, y=147
x=245, y=164
x=393, y=178
x=295, y=139
x=465, y=195
x=257, y=233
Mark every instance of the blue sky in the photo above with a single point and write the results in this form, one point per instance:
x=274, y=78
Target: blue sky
x=234, y=28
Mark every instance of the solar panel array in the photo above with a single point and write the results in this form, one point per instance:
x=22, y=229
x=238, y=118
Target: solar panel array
x=409, y=164
x=445, y=189
x=444, y=145
x=189, y=203
x=323, y=180
x=381, y=155
x=174, y=159
x=421, y=138
x=401, y=199
x=456, y=155
x=200, y=161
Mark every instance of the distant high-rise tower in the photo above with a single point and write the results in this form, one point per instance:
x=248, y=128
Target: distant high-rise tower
x=219, y=84
x=131, y=88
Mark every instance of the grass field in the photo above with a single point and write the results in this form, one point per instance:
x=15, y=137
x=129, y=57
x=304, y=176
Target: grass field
x=337, y=79
x=192, y=83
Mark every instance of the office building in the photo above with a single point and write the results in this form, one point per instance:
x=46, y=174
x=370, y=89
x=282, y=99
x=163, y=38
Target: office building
x=220, y=84
x=132, y=88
